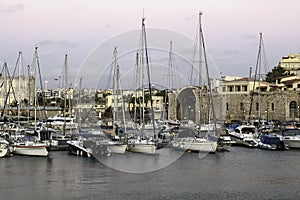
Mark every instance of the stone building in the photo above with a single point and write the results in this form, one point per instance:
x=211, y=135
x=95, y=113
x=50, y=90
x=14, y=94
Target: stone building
x=238, y=99
x=17, y=89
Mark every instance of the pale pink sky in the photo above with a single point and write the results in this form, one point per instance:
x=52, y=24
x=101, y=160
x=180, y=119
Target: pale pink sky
x=231, y=29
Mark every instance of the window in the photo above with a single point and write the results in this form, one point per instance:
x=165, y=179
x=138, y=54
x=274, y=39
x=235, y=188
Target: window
x=238, y=88
x=223, y=89
x=230, y=88
x=227, y=107
x=245, y=88
x=293, y=109
x=272, y=106
x=257, y=106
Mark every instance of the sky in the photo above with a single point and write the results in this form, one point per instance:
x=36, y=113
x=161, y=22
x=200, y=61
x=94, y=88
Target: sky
x=88, y=30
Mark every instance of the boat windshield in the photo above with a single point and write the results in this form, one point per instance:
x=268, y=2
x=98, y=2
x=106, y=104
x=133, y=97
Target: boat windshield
x=291, y=132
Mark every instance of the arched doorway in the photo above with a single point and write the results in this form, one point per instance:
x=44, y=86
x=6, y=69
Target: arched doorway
x=293, y=110
x=186, y=101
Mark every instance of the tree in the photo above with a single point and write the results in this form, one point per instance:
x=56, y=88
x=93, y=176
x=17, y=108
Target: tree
x=276, y=72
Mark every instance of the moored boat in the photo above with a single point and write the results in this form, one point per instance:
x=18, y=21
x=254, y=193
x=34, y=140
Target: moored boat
x=271, y=141
x=30, y=148
x=4, y=148
x=189, y=140
x=244, y=135
x=291, y=137
x=139, y=145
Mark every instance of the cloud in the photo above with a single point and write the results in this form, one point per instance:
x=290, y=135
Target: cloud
x=11, y=8
x=230, y=51
x=48, y=54
x=249, y=36
x=63, y=43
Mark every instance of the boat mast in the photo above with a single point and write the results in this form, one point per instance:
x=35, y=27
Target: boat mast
x=4, y=73
x=208, y=77
x=148, y=73
x=143, y=74
x=200, y=66
x=115, y=95
x=36, y=63
x=121, y=93
x=65, y=91
x=136, y=83
x=170, y=80
x=20, y=60
x=79, y=102
x=29, y=92
x=257, y=67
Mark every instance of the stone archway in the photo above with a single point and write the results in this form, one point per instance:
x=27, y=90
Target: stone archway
x=186, y=104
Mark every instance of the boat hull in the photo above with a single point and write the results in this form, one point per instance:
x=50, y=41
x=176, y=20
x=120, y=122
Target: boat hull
x=292, y=143
x=142, y=148
x=30, y=150
x=4, y=149
x=117, y=148
x=199, y=145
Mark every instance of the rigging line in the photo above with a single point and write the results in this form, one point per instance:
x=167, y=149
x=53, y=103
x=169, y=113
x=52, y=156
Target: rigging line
x=10, y=80
x=2, y=72
x=208, y=79
x=109, y=81
x=149, y=78
x=265, y=60
x=123, y=102
x=194, y=55
x=41, y=83
x=256, y=68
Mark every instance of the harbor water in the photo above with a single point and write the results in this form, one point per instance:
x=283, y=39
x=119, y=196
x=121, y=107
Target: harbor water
x=240, y=174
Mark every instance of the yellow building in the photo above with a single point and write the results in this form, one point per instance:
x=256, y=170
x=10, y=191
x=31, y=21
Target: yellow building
x=291, y=63
x=239, y=85
x=290, y=83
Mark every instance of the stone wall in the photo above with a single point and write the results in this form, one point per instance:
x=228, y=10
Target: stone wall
x=279, y=105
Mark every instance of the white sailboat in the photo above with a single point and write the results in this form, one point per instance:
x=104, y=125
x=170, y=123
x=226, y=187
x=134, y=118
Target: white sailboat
x=4, y=148
x=115, y=145
x=197, y=141
x=30, y=148
x=142, y=144
x=30, y=145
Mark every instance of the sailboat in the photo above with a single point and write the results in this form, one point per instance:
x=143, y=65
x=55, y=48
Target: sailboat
x=65, y=122
x=4, y=148
x=143, y=143
x=195, y=140
x=266, y=138
x=115, y=144
x=27, y=144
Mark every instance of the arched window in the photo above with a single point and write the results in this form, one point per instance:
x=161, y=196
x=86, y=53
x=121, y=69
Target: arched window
x=293, y=109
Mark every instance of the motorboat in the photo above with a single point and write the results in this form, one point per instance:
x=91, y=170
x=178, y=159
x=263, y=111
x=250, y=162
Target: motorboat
x=244, y=134
x=271, y=141
x=61, y=123
x=291, y=137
